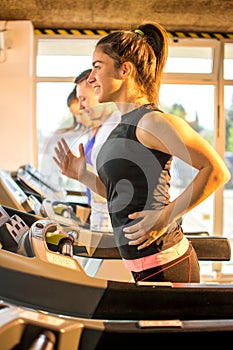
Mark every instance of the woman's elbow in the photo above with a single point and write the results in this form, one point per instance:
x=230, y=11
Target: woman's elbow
x=222, y=176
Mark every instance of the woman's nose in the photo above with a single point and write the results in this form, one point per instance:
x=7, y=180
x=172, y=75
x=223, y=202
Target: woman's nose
x=91, y=78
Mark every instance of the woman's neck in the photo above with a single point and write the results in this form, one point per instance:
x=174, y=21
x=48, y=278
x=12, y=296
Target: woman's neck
x=125, y=107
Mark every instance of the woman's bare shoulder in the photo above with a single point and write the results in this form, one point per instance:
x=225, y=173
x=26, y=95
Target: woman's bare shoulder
x=162, y=120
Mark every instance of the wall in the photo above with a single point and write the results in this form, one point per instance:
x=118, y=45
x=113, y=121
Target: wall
x=17, y=98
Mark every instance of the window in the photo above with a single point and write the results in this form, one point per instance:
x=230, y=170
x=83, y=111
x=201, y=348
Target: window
x=183, y=59
x=228, y=61
x=63, y=57
x=58, y=62
x=189, y=102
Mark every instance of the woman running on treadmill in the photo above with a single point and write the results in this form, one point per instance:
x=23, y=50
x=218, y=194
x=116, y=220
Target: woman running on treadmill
x=134, y=162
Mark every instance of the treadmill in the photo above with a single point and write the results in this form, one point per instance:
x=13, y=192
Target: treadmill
x=28, y=190
x=48, y=298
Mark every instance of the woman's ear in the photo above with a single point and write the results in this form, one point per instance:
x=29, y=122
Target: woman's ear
x=127, y=69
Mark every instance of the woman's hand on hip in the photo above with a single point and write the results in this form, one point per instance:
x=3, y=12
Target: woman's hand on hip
x=147, y=230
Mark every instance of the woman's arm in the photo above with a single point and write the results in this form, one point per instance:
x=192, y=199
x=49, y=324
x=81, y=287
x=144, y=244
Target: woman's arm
x=172, y=135
x=76, y=167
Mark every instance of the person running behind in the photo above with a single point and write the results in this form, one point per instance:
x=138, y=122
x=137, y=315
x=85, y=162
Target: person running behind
x=102, y=119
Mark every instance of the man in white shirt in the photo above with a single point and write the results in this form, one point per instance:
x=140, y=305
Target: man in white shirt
x=103, y=119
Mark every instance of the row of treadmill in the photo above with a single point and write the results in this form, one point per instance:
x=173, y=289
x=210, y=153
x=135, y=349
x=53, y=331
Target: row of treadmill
x=64, y=287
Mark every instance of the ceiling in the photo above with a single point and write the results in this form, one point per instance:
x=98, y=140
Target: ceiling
x=215, y=16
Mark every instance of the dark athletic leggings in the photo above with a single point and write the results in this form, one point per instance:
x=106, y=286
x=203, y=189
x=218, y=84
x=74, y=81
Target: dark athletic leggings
x=185, y=269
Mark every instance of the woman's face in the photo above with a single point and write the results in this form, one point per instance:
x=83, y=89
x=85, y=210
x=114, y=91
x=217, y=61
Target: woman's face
x=105, y=78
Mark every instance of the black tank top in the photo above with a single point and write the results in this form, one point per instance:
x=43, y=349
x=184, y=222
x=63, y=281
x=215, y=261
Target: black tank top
x=136, y=179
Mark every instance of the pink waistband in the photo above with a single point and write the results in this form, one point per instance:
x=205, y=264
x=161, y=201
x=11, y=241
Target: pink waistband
x=161, y=258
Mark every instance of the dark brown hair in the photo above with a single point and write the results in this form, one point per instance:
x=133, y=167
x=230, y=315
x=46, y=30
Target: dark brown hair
x=82, y=76
x=71, y=97
x=146, y=47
